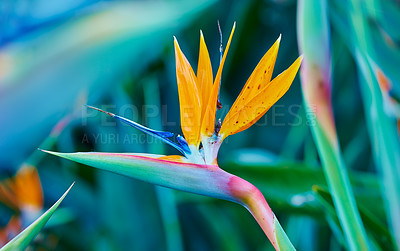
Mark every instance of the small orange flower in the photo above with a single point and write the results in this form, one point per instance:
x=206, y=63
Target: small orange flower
x=22, y=193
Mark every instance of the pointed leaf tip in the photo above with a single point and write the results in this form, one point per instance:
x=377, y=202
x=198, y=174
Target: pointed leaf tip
x=51, y=152
x=66, y=192
x=158, y=134
x=176, y=44
x=45, y=151
x=100, y=110
x=22, y=240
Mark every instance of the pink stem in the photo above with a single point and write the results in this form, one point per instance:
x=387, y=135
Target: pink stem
x=252, y=199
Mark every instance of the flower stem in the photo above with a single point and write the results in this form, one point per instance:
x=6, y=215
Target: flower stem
x=253, y=200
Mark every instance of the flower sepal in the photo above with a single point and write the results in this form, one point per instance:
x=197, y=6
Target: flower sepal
x=175, y=172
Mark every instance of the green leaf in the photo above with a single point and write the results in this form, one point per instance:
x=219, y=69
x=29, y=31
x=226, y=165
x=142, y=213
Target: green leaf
x=193, y=178
x=283, y=241
x=314, y=37
x=206, y=180
x=22, y=240
x=366, y=47
x=383, y=131
x=375, y=228
x=288, y=184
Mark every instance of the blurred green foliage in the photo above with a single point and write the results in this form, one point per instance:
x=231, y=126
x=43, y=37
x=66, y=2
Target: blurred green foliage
x=119, y=54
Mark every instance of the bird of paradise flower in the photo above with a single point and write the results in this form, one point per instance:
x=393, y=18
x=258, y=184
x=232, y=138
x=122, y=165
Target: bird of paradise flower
x=197, y=171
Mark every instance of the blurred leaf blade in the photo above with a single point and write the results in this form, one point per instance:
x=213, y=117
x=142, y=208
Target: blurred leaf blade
x=90, y=51
x=288, y=184
x=22, y=240
x=382, y=128
x=113, y=65
x=314, y=42
x=374, y=226
x=165, y=197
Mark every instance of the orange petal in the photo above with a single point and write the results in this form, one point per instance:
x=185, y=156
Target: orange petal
x=247, y=112
x=174, y=158
x=189, y=100
x=13, y=227
x=383, y=81
x=204, y=74
x=261, y=75
x=208, y=124
x=3, y=237
x=7, y=196
x=28, y=188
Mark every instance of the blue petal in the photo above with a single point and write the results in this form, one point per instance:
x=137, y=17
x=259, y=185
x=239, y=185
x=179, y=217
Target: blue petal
x=158, y=134
x=145, y=129
x=182, y=141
